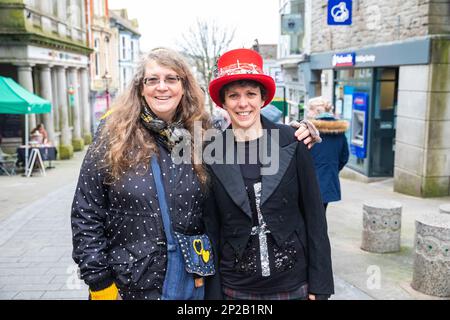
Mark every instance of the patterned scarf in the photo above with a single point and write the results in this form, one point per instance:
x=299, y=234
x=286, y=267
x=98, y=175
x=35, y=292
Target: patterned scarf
x=169, y=134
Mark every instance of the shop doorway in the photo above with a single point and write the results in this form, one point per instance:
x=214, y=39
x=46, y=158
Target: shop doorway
x=384, y=122
x=372, y=151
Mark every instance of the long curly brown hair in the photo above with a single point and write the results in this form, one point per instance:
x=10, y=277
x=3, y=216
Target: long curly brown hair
x=129, y=143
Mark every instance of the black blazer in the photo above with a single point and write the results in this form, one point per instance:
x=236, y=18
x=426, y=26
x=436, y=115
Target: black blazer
x=290, y=202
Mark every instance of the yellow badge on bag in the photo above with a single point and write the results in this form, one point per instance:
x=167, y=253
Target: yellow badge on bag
x=198, y=247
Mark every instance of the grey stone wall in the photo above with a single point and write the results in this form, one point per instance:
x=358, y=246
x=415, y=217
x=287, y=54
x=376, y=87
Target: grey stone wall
x=422, y=155
x=379, y=22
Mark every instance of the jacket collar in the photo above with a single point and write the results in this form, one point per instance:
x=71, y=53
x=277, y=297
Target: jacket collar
x=330, y=125
x=230, y=174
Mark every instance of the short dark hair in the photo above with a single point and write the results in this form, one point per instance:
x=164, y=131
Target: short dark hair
x=242, y=83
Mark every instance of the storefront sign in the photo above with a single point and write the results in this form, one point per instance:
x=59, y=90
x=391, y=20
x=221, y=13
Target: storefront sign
x=365, y=58
x=339, y=12
x=412, y=52
x=343, y=60
x=55, y=56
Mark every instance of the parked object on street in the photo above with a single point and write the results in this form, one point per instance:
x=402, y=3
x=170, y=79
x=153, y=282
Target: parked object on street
x=7, y=163
x=444, y=208
x=431, y=273
x=381, y=226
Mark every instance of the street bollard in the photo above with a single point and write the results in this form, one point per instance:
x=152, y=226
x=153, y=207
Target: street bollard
x=431, y=271
x=381, y=226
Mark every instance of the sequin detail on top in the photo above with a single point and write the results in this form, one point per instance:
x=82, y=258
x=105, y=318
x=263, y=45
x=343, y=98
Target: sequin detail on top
x=248, y=263
x=284, y=257
x=261, y=230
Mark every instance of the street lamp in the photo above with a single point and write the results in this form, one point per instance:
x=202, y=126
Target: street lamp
x=107, y=78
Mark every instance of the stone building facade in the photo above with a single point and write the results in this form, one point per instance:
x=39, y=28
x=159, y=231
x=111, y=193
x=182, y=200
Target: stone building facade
x=104, y=70
x=395, y=55
x=127, y=33
x=43, y=46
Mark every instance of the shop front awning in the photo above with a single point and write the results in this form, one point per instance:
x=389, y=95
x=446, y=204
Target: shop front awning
x=15, y=99
x=292, y=61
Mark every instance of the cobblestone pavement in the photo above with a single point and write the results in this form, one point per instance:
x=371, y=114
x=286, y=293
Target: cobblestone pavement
x=35, y=251
x=35, y=240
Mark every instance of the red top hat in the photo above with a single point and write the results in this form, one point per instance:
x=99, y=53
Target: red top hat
x=240, y=64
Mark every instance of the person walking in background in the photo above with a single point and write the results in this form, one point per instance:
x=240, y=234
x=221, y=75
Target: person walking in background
x=332, y=154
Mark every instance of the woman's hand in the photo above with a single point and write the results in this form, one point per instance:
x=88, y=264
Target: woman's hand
x=307, y=132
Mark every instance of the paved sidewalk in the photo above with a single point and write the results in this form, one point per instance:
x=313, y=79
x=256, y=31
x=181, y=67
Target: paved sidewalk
x=363, y=269
x=17, y=192
x=35, y=240
x=35, y=251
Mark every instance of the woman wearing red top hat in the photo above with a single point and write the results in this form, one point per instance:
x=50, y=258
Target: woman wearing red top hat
x=264, y=214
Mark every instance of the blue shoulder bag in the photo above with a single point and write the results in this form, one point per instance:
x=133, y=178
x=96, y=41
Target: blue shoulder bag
x=187, y=256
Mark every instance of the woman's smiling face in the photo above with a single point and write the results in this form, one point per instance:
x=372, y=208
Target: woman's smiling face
x=164, y=96
x=243, y=104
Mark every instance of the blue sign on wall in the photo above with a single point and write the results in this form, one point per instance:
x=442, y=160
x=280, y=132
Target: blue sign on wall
x=339, y=12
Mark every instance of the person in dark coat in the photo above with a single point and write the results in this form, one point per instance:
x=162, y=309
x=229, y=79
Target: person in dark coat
x=332, y=154
x=119, y=235
x=264, y=216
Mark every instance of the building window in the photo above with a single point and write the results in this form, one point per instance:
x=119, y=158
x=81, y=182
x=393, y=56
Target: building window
x=124, y=53
x=54, y=8
x=99, y=8
x=31, y=3
x=97, y=57
x=124, y=84
x=132, y=50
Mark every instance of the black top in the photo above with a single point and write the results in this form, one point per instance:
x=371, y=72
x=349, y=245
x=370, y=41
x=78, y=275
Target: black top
x=298, y=244
x=247, y=275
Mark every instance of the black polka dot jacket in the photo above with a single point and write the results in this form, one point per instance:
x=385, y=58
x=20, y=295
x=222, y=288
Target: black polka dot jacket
x=118, y=234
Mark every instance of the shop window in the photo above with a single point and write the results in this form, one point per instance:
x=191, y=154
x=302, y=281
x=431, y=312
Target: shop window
x=97, y=57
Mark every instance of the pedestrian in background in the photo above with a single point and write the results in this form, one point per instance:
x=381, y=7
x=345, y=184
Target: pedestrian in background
x=39, y=135
x=268, y=230
x=137, y=215
x=332, y=154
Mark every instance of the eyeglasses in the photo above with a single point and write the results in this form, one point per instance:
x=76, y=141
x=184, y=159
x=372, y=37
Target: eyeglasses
x=154, y=81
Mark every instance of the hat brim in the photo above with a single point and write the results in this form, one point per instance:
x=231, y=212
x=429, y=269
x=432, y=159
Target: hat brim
x=265, y=80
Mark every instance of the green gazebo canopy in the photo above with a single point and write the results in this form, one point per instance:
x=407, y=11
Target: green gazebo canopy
x=14, y=99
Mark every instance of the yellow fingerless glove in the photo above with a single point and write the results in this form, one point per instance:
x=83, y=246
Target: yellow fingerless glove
x=109, y=293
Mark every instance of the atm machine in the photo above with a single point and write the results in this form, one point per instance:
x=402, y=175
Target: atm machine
x=358, y=137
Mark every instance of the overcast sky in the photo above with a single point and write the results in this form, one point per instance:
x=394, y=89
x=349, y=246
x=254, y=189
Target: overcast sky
x=161, y=22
